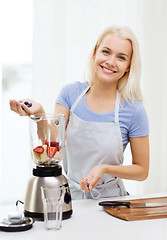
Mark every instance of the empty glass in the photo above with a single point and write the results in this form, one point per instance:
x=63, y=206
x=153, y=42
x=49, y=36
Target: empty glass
x=53, y=198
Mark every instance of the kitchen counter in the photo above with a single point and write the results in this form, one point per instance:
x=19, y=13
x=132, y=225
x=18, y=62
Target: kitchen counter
x=89, y=221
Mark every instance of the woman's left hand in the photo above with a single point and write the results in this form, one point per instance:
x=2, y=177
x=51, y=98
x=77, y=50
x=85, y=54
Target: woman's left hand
x=93, y=178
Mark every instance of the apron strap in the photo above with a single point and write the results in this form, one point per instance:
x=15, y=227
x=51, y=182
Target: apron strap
x=78, y=99
x=117, y=107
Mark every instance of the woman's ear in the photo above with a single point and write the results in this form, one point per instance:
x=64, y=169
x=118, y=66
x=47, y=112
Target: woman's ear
x=128, y=69
x=94, y=55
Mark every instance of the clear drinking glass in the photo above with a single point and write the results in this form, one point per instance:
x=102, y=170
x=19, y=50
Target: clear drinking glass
x=52, y=198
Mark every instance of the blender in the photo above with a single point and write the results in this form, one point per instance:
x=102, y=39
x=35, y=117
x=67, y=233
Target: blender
x=47, y=136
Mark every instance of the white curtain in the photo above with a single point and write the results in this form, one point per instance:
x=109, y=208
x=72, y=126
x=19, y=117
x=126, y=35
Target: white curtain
x=153, y=18
x=64, y=34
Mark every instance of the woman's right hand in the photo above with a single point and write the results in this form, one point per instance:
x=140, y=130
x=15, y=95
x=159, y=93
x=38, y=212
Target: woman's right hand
x=23, y=110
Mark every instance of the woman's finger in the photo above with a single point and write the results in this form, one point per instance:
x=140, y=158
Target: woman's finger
x=14, y=106
x=20, y=110
x=84, y=185
x=26, y=109
x=93, y=182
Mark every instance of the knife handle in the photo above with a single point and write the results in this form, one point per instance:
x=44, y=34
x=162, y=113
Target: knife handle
x=114, y=204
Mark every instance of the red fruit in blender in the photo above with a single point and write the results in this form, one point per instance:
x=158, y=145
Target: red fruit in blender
x=52, y=144
x=55, y=144
x=51, y=151
x=38, y=149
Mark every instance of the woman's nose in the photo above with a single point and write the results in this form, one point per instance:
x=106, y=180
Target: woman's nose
x=111, y=61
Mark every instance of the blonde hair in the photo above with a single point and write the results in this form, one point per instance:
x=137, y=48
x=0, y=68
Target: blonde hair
x=129, y=83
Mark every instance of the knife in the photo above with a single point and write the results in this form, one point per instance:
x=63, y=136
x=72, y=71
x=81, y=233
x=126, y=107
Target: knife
x=131, y=204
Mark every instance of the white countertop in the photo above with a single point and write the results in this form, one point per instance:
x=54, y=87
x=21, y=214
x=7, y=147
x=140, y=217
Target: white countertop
x=90, y=222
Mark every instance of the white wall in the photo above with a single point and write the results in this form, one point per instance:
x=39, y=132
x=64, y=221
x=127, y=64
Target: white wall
x=153, y=16
x=16, y=56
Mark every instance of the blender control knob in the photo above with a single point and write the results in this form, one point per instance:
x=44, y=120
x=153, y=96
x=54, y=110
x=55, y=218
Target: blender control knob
x=67, y=198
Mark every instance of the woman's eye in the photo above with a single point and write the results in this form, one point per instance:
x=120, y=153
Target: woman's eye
x=122, y=58
x=106, y=52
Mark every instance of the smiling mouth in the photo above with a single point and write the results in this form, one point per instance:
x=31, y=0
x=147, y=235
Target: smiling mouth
x=107, y=69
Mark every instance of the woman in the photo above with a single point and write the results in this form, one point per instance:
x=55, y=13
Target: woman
x=102, y=117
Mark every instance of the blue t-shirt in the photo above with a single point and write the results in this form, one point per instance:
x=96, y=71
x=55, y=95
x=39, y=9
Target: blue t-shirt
x=133, y=119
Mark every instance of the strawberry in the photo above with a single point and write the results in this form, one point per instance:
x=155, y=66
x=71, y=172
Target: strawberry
x=38, y=149
x=46, y=142
x=51, y=151
x=53, y=144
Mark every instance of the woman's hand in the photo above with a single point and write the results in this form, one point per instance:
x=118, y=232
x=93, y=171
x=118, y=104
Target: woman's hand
x=22, y=109
x=93, y=178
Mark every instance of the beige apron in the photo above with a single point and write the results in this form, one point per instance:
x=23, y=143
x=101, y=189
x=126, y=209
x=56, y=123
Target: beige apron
x=89, y=144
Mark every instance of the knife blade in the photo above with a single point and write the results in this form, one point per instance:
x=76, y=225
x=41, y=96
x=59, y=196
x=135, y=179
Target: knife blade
x=131, y=205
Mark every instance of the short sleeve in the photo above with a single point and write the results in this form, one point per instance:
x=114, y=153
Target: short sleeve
x=63, y=96
x=139, y=124
x=69, y=93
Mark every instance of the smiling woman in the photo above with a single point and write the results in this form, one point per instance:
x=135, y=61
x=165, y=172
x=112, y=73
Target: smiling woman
x=99, y=99
x=98, y=167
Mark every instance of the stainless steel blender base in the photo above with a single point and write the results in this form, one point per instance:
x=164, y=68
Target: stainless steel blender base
x=33, y=206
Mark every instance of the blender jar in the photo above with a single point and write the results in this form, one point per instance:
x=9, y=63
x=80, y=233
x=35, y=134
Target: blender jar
x=47, y=138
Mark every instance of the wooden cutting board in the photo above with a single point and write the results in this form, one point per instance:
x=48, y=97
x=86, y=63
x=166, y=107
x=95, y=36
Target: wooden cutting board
x=133, y=214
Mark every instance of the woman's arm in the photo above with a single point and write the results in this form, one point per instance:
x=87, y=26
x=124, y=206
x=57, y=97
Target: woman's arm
x=137, y=171
x=60, y=109
x=43, y=126
x=20, y=108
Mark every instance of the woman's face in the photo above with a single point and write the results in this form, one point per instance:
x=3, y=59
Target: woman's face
x=112, y=58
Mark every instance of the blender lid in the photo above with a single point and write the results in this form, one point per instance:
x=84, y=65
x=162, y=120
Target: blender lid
x=21, y=225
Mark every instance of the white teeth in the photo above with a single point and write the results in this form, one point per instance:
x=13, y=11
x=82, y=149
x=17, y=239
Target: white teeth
x=107, y=70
